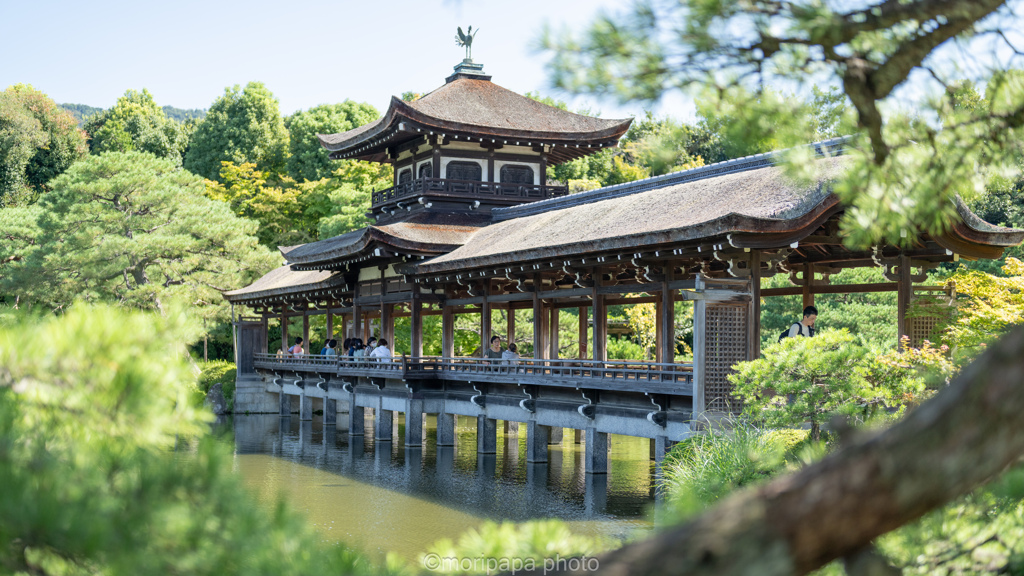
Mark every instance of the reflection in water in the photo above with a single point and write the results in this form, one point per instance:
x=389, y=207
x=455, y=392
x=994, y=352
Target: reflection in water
x=380, y=496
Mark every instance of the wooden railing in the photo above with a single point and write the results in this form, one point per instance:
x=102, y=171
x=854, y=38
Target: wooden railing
x=469, y=189
x=613, y=374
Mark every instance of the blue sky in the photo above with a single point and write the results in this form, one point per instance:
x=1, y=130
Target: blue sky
x=307, y=53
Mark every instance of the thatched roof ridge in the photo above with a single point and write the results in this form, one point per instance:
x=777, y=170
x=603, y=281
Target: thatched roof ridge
x=759, y=200
x=480, y=108
x=416, y=237
x=284, y=281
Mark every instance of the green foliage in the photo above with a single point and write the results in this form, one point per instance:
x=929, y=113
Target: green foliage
x=869, y=316
x=534, y=541
x=241, y=126
x=222, y=371
x=624, y=349
x=38, y=141
x=183, y=115
x=812, y=379
x=132, y=229
x=81, y=112
x=276, y=206
x=91, y=405
x=987, y=306
x=136, y=122
x=308, y=160
x=703, y=469
x=340, y=203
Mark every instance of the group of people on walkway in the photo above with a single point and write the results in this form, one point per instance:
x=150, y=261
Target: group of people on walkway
x=508, y=355
x=352, y=348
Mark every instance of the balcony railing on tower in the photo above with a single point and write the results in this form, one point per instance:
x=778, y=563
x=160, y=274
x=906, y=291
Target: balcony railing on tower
x=467, y=189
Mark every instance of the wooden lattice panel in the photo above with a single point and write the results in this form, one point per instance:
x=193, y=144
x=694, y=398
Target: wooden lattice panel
x=921, y=328
x=726, y=340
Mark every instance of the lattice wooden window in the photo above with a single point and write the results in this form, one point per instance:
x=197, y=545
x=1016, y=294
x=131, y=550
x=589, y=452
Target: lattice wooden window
x=928, y=309
x=404, y=176
x=516, y=174
x=725, y=330
x=464, y=171
x=426, y=170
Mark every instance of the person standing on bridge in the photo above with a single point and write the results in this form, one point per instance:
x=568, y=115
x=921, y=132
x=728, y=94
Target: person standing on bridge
x=381, y=353
x=297, y=349
x=494, y=351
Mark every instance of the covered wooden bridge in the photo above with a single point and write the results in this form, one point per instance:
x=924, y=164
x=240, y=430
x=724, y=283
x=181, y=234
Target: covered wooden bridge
x=705, y=236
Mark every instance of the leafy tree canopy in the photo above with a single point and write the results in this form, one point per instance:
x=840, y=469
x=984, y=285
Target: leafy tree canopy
x=136, y=122
x=129, y=228
x=241, y=126
x=38, y=141
x=308, y=159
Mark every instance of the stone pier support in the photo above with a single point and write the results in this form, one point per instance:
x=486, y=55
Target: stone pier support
x=659, y=447
x=597, y=452
x=305, y=407
x=330, y=412
x=486, y=435
x=356, y=417
x=577, y=436
x=555, y=436
x=413, y=423
x=383, y=423
x=445, y=429
x=537, y=442
x=286, y=404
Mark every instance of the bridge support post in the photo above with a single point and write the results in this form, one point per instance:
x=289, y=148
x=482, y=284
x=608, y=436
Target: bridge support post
x=414, y=423
x=445, y=429
x=537, y=442
x=305, y=407
x=659, y=447
x=330, y=412
x=596, y=461
x=356, y=418
x=383, y=422
x=555, y=436
x=286, y=404
x=486, y=435
x=577, y=436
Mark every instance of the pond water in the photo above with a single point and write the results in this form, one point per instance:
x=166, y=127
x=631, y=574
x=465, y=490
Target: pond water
x=382, y=497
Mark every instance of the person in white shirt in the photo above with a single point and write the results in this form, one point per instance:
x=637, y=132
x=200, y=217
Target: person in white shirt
x=381, y=353
x=511, y=355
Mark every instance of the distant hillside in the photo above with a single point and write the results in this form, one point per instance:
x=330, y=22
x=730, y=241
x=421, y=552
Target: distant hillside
x=82, y=111
x=181, y=115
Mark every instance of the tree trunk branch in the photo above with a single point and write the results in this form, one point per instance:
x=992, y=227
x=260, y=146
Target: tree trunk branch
x=950, y=445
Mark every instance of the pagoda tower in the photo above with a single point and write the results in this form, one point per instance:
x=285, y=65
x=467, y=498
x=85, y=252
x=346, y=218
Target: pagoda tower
x=470, y=146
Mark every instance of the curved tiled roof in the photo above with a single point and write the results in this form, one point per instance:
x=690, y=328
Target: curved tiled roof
x=482, y=109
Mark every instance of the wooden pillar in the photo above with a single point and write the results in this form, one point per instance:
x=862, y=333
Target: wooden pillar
x=667, y=321
x=553, y=332
x=416, y=323
x=600, y=352
x=904, y=292
x=265, y=328
x=545, y=332
x=436, y=160
x=659, y=332
x=808, y=282
x=485, y=320
x=447, y=332
x=583, y=332
x=510, y=321
x=754, y=318
x=387, y=325
x=305, y=330
x=699, y=349
x=538, y=312
x=357, y=317
x=330, y=325
x=284, y=327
